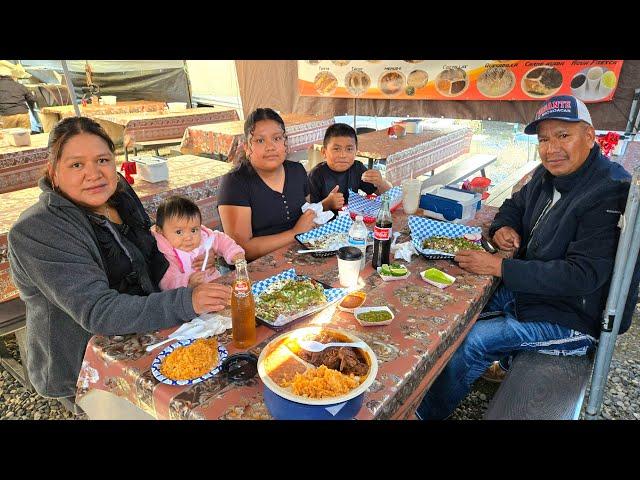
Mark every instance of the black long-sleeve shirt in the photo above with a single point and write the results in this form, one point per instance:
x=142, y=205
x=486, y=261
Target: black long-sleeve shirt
x=14, y=97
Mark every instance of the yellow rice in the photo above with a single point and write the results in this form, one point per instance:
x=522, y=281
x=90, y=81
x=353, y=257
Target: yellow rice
x=322, y=382
x=192, y=361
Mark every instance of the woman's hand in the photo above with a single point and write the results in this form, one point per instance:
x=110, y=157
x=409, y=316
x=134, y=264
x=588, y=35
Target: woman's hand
x=305, y=222
x=211, y=261
x=196, y=278
x=210, y=297
x=507, y=238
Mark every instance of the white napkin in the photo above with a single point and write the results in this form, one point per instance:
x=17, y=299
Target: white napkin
x=404, y=251
x=322, y=217
x=205, y=325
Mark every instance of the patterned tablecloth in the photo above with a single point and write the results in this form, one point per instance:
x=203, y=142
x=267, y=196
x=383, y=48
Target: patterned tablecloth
x=227, y=138
x=147, y=126
x=195, y=177
x=49, y=116
x=415, y=153
x=20, y=167
x=429, y=324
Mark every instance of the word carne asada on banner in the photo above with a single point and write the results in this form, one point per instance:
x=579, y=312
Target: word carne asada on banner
x=589, y=80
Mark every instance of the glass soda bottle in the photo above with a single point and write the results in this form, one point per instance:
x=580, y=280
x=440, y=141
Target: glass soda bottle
x=243, y=308
x=382, y=234
x=358, y=237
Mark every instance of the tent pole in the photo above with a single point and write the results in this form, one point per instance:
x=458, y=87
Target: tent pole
x=626, y=256
x=72, y=92
x=355, y=109
x=186, y=72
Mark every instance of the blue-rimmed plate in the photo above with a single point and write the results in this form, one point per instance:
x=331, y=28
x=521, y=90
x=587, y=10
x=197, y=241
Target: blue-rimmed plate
x=155, y=366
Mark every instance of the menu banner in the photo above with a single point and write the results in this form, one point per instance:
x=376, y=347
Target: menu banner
x=589, y=80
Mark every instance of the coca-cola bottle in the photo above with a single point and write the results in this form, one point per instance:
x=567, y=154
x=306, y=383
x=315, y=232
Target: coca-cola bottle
x=382, y=234
x=243, y=308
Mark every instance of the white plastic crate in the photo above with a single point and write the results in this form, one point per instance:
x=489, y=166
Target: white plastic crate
x=152, y=169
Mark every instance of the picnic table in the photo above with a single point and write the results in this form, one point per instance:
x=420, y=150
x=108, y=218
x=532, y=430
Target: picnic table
x=429, y=325
x=227, y=138
x=415, y=154
x=20, y=167
x=129, y=128
x=49, y=116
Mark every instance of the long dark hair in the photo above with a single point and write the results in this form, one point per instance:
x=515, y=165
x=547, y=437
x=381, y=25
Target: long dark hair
x=254, y=117
x=65, y=130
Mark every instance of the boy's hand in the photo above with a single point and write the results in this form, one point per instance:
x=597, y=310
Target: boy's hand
x=335, y=200
x=375, y=177
x=196, y=279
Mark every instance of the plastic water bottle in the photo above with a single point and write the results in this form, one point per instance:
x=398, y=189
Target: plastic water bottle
x=358, y=237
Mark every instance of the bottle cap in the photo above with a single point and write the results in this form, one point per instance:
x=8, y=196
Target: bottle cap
x=349, y=253
x=359, y=217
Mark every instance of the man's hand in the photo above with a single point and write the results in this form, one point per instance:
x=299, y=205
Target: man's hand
x=210, y=297
x=482, y=263
x=335, y=199
x=506, y=238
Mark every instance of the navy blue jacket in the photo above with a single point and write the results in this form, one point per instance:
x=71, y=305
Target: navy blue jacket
x=563, y=275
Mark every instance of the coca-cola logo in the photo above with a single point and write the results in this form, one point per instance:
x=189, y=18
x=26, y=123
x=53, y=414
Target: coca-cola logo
x=380, y=233
x=241, y=287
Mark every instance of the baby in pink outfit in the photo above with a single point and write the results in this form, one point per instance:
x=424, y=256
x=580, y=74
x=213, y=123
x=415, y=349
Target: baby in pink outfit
x=181, y=237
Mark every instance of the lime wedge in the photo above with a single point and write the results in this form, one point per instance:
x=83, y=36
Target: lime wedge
x=398, y=271
x=436, y=275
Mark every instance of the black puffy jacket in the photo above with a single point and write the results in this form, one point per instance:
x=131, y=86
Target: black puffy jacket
x=562, y=274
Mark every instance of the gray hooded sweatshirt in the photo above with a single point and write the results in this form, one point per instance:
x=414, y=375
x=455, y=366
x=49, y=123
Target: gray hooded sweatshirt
x=56, y=265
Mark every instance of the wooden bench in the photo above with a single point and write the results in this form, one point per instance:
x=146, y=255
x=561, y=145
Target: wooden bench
x=13, y=320
x=503, y=190
x=155, y=144
x=542, y=387
x=461, y=170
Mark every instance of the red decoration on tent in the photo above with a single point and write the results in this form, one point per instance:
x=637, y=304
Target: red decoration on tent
x=608, y=142
x=129, y=168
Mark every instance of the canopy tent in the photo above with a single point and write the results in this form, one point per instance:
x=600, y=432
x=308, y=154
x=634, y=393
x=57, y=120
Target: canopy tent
x=163, y=80
x=248, y=84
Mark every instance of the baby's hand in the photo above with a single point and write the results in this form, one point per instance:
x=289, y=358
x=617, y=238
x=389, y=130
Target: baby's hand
x=211, y=262
x=196, y=279
x=239, y=256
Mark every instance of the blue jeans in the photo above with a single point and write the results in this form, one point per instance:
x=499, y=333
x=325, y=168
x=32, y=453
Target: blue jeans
x=490, y=340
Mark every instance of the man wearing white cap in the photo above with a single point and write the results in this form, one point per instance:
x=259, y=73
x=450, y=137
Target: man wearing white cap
x=562, y=228
x=14, y=98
